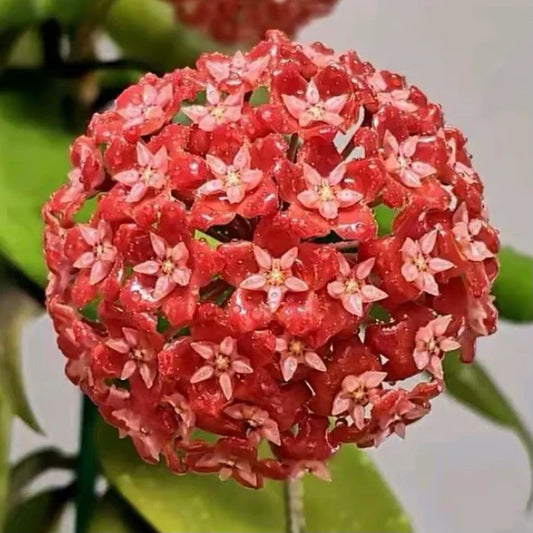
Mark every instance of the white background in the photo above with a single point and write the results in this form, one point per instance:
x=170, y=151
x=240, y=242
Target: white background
x=455, y=472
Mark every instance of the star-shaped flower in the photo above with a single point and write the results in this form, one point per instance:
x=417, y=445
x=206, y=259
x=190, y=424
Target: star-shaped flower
x=221, y=361
x=234, y=180
x=150, y=173
x=312, y=108
x=275, y=276
x=352, y=289
x=170, y=266
x=419, y=267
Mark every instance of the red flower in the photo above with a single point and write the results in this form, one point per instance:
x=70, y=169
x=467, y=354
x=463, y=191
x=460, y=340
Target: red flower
x=230, y=273
x=231, y=21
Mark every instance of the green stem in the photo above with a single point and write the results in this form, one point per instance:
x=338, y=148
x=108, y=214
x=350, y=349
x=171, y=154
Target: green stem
x=294, y=506
x=87, y=469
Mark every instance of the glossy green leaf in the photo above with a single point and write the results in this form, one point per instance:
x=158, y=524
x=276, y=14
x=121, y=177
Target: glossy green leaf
x=16, y=308
x=513, y=287
x=470, y=385
x=38, y=513
x=202, y=503
x=147, y=31
x=33, y=162
x=114, y=515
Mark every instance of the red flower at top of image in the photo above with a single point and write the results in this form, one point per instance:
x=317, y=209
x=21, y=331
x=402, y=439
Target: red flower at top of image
x=231, y=21
x=236, y=275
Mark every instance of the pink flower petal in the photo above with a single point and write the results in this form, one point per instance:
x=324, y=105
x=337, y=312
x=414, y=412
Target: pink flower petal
x=436, y=265
x=202, y=374
x=295, y=284
x=363, y=269
x=311, y=94
x=329, y=209
x=127, y=177
x=275, y=297
x=182, y=276
x=226, y=385
x=128, y=370
x=353, y=304
x=263, y=258
x=211, y=187
x=337, y=174
x=288, y=367
x=217, y=166
x=119, y=345
x=89, y=235
x=287, y=259
x=240, y=366
x=137, y=192
x=409, y=272
x=255, y=282
x=203, y=349
x=336, y=103
x=428, y=241
x=336, y=289
x=148, y=373
x=85, y=260
x=235, y=194
x=311, y=176
x=163, y=286
x=148, y=267
x=372, y=294
x=313, y=360
x=159, y=245
x=99, y=271
x=341, y=404
x=423, y=169
x=309, y=199
x=228, y=346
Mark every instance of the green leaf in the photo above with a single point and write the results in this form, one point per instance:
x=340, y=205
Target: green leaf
x=146, y=30
x=513, y=287
x=19, y=13
x=39, y=513
x=357, y=500
x=470, y=385
x=16, y=308
x=114, y=515
x=33, y=162
x=33, y=465
x=5, y=438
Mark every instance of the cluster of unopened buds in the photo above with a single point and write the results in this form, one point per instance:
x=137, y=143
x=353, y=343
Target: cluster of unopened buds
x=233, y=277
x=230, y=21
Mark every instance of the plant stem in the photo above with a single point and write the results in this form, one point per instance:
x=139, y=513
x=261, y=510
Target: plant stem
x=87, y=469
x=294, y=506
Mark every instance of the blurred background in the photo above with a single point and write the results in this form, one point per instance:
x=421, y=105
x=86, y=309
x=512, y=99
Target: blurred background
x=455, y=471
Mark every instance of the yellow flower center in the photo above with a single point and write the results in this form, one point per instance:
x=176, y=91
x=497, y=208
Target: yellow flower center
x=167, y=266
x=325, y=192
x=351, y=286
x=221, y=362
x=233, y=178
x=317, y=111
x=275, y=277
x=296, y=347
x=359, y=395
x=218, y=112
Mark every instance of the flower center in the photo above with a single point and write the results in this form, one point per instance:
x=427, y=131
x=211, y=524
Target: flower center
x=137, y=354
x=403, y=162
x=218, y=112
x=275, y=276
x=221, y=362
x=351, y=286
x=359, y=395
x=99, y=249
x=316, y=111
x=420, y=263
x=168, y=266
x=325, y=192
x=296, y=347
x=233, y=178
x=433, y=347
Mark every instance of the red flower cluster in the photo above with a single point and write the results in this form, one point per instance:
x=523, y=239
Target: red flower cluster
x=230, y=274
x=230, y=21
